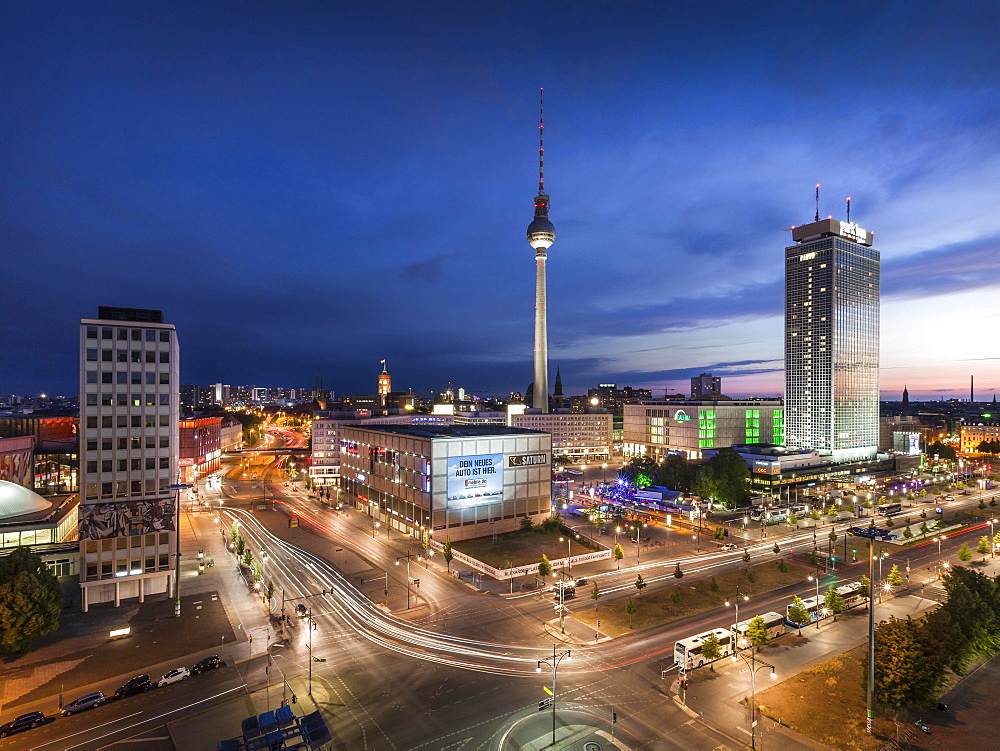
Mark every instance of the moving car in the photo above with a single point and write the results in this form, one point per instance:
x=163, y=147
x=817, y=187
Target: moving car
x=728, y=547
x=24, y=722
x=301, y=611
x=174, y=676
x=134, y=686
x=87, y=701
x=209, y=663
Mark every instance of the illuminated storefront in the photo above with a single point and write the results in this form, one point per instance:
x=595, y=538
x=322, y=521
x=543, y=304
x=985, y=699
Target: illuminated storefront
x=453, y=482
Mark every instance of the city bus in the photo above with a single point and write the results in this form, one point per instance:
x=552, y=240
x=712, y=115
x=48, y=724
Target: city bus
x=774, y=622
x=687, y=652
x=888, y=509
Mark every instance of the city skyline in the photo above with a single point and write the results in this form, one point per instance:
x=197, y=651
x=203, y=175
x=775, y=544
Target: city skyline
x=305, y=192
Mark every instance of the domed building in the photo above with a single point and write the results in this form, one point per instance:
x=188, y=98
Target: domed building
x=47, y=525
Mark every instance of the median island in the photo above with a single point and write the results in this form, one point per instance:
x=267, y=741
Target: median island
x=686, y=597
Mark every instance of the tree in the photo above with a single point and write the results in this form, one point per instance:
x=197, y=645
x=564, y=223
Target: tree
x=833, y=536
x=905, y=671
x=798, y=613
x=713, y=585
x=746, y=555
x=241, y=546
x=834, y=602
x=544, y=566
x=782, y=566
x=677, y=571
x=941, y=451
x=526, y=524
x=895, y=578
x=924, y=529
x=923, y=514
x=751, y=575
x=711, y=649
x=864, y=587
x=814, y=558
x=907, y=534
x=247, y=558
x=234, y=532
x=964, y=554
x=630, y=608
x=675, y=596
x=595, y=594
x=719, y=533
x=983, y=548
x=269, y=590
x=640, y=584
x=724, y=478
x=757, y=635
x=777, y=548
x=618, y=554
x=449, y=554
x=30, y=600
x=889, y=523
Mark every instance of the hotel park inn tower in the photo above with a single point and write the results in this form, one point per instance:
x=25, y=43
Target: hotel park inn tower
x=832, y=340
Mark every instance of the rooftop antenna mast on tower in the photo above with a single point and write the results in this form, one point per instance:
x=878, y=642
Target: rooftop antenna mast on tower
x=541, y=235
x=817, y=203
x=848, y=209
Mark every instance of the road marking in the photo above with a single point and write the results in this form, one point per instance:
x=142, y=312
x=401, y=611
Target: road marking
x=136, y=724
x=110, y=722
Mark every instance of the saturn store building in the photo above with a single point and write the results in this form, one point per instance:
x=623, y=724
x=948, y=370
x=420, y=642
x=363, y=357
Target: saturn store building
x=458, y=481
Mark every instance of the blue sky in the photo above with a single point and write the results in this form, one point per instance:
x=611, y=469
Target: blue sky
x=307, y=188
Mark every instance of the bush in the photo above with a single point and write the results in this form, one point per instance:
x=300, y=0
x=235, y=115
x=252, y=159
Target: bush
x=782, y=566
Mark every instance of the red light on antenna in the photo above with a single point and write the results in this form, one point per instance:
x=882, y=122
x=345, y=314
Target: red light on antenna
x=848, y=198
x=817, y=185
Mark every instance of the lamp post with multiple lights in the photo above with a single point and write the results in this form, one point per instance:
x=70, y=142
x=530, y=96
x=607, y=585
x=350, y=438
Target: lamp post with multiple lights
x=554, y=661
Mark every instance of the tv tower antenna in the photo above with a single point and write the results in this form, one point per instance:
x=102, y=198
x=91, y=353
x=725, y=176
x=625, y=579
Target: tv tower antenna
x=541, y=147
x=848, y=209
x=817, y=203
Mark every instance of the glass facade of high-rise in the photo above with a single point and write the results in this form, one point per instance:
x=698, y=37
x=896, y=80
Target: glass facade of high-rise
x=832, y=340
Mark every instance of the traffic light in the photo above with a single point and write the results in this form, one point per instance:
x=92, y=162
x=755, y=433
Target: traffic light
x=614, y=717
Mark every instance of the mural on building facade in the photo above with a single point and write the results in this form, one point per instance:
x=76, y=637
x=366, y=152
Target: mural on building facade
x=101, y=520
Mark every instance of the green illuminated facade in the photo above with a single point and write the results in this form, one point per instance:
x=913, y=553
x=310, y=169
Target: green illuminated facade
x=658, y=427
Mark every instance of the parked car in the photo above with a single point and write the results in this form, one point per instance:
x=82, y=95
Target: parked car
x=209, y=663
x=87, y=701
x=24, y=722
x=134, y=686
x=174, y=676
x=728, y=547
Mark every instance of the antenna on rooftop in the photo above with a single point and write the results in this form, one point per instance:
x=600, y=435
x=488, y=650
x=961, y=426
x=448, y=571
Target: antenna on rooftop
x=848, y=209
x=817, y=203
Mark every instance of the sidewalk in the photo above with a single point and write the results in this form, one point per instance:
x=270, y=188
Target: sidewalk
x=80, y=655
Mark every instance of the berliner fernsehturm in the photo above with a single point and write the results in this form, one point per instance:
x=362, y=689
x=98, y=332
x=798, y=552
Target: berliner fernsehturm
x=541, y=234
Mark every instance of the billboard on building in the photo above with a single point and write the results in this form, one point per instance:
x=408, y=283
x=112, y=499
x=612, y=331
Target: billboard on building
x=122, y=518
x=906, y=443
x=477, y=477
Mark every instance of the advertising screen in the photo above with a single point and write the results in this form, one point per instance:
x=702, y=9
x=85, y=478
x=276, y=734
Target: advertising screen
x=475, y=477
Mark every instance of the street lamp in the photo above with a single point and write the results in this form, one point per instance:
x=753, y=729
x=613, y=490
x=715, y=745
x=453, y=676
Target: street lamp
x=939, y=540
x=375, y=527
x=554, y=661
x=618, y=562
x=408, y=556
x=816, y=579
x=754, y=667
x=569, y=557
x=736, y=602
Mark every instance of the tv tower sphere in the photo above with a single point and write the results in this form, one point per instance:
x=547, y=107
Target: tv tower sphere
x=541, y=232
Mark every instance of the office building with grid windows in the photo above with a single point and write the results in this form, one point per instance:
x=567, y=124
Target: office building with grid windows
x=832, y=341
x=689, y=428
x=129, y=414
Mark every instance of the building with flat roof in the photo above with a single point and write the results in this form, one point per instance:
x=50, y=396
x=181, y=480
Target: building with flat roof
x=453, y=482
x=832, y=340
x=581, y=436
x=706, y=386
x=657, y=428
x=129, y=415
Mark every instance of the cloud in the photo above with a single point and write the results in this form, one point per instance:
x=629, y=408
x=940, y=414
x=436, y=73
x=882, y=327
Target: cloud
x=951, y=268
x=426, y=271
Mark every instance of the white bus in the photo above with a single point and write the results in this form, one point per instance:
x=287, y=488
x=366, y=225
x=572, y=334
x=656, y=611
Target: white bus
x=687, y=652
x=888, y=509
x=774, y=622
